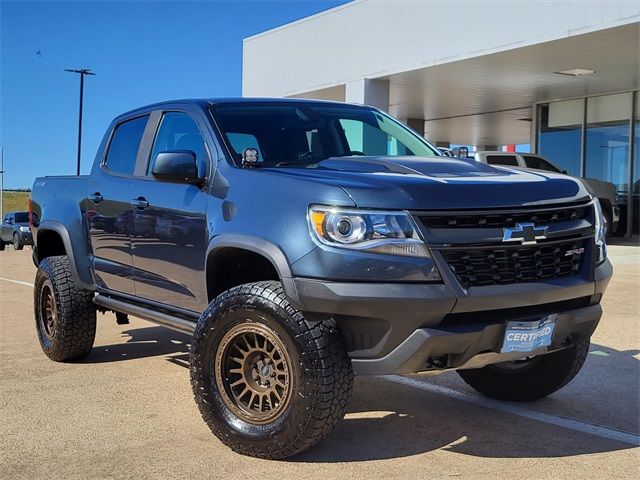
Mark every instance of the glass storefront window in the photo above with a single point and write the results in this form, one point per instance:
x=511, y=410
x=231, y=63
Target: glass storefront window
x=635, y=188
x=560, y=133
x=607, y=141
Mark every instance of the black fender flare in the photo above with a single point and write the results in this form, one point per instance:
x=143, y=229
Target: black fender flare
x=262, y=247
x=77, y=252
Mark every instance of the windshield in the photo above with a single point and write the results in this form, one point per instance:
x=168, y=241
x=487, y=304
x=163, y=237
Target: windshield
x=303, y=134
x=21, y=217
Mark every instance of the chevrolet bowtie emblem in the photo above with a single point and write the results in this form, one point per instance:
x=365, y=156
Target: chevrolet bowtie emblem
x=525, y=233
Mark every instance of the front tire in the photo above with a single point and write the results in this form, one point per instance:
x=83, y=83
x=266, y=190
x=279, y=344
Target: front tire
x=528, y=380
x=269, y=383
x=65, y=314
x=17, y=244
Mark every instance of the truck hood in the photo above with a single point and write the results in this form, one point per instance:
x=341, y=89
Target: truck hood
x=415, y=183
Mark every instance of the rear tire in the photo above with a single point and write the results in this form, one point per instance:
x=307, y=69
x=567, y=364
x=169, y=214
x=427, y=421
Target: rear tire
x=17, y=244
x=530, y=379
x=1, y=246
x=292, y=376
x=65, y=314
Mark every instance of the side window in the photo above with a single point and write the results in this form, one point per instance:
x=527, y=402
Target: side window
x=510, y=160
x=178, y=131
x=539, y=163
x=123, y=149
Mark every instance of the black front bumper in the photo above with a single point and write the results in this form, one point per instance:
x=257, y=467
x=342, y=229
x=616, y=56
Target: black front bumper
x=26, y=238
x=403, y=328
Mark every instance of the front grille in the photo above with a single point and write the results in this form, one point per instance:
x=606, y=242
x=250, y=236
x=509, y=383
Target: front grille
x=506, y=218
x=503, y=265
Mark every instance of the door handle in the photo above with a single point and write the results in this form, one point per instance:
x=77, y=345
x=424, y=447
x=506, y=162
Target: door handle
x=96, y=197
x=140, y=203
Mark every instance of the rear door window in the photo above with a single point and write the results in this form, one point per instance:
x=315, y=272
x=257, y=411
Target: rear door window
x=123, y=149
x=510, y=160
x=539, y=163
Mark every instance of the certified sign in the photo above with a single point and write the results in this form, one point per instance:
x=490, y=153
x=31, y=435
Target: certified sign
x=529, y=336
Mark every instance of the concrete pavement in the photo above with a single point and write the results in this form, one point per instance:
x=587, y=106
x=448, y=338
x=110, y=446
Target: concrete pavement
x=127, y=411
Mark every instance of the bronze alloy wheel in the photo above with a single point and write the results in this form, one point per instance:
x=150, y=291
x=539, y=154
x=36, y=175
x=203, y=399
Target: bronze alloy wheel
x=48, y=312
x=269, y=382
x=253, y=373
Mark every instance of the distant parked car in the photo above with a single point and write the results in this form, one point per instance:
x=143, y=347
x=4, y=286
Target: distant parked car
x=604, y=191
x=15, y=229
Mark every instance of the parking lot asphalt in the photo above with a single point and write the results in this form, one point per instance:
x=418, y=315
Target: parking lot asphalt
x=126, y=411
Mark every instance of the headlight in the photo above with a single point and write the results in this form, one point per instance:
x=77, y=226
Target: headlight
x=601, y=243
x=25, y=229
x=392, y=233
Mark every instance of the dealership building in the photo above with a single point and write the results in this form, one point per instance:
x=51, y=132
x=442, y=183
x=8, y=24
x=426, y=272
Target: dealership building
x=561, y=76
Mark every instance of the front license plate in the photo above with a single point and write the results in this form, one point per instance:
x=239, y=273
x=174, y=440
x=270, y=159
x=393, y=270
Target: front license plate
x=529, y=336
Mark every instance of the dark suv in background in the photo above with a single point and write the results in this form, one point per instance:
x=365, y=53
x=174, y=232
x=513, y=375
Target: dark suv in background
x=15, y=230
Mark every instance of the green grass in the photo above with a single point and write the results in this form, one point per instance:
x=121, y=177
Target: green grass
x=18, y=201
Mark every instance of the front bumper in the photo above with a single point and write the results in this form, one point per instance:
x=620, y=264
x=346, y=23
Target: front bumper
x=410, y=327
x=26, y=238
x=441, y=349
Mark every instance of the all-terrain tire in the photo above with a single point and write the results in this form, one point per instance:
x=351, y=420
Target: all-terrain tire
x=17, y=244
x=531, y=379
x=65, y=314
x=320, y=379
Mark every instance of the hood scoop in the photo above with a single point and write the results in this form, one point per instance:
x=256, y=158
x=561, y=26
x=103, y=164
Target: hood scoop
x=434, y=167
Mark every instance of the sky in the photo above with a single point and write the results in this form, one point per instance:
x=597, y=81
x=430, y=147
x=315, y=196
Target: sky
x=141, y=52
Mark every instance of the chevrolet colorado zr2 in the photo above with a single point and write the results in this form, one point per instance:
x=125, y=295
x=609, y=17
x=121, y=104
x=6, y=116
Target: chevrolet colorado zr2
x=302, y=242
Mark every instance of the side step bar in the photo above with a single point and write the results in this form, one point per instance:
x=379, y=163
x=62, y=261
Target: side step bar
x=160, y=318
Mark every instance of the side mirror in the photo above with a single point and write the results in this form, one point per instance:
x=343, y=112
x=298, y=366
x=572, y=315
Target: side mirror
x=178, y=166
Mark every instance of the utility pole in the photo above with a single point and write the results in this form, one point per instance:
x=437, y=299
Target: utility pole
x=82, y=72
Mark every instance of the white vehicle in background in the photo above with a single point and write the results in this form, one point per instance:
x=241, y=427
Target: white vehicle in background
x=604, y=191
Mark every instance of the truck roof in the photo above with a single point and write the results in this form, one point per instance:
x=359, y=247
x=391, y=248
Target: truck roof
x=204, y=102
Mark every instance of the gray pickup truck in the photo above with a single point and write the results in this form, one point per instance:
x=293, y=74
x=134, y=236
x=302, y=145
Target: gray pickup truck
x=304, y=241
x=15, y=230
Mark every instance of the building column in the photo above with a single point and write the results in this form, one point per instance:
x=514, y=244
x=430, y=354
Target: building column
x=374, y=93
x=416, y=124
x=368, y=91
